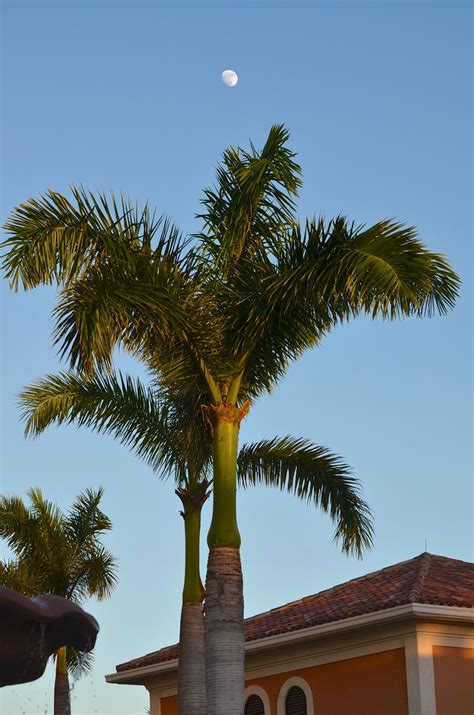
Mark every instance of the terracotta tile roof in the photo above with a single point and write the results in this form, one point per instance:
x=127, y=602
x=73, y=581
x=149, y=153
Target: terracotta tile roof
x=427, y=579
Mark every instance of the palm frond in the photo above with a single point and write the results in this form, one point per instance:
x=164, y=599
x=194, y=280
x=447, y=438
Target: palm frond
x=158, y=429
x=109, y=306
x=79, y=663
x=315, y=475
x=253, y=199
x=52, y=239
x=344, y=270
x=93, y=574
x=328, y=274
x=44, y=511
x=126, y=280
x=85, y=520
x=17, y=575
x=17, y=525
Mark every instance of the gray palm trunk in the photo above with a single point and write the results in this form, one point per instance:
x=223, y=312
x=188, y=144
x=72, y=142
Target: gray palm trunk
x=224, y=609
x=191, y=668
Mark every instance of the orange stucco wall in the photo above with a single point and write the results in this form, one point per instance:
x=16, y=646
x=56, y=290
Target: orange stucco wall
x=369, y=685
x=454, y=680
x=169, y=706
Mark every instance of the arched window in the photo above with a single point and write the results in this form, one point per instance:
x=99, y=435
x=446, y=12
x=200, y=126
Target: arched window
x=256, y=701
x=254, y=706
x=295, y=698
x=295, y=703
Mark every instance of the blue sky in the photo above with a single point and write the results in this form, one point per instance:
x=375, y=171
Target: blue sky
x=127, y=97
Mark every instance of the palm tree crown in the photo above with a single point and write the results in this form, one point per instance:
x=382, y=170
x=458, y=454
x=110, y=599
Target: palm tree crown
x=225, y=315
x=56, y=553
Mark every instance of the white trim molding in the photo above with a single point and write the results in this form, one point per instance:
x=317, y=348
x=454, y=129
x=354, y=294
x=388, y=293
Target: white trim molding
x=286, y=687
x=413, y=612
x=261, y=693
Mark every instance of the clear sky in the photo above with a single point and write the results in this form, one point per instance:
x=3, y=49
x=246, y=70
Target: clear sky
x=127, y=96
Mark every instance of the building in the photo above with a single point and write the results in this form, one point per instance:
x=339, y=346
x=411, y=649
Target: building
x=399, y=641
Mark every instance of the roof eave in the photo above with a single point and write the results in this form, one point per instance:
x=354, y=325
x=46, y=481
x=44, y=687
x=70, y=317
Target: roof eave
x=417, y=611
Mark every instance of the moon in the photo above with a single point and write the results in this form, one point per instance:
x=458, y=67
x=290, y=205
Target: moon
x=230, y=78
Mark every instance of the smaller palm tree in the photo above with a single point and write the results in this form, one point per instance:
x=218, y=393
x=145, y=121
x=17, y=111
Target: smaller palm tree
x=60, y=554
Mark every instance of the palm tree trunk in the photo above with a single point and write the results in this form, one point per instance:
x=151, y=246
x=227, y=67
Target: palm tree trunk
x=225, y=674
x=62, y=704
x=191, y=666
x=224, y=612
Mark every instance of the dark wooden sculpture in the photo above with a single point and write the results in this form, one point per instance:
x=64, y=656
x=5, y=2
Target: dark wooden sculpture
x=32, y=629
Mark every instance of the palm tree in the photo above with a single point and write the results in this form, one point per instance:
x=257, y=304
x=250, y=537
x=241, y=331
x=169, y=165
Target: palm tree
x=58, y=554
x=222, y=316
x=167, y=435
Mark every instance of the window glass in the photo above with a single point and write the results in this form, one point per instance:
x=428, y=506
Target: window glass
x=254, y=706
x=295, y=702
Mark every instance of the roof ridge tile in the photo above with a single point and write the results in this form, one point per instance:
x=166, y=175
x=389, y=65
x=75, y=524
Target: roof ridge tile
x=417, y=589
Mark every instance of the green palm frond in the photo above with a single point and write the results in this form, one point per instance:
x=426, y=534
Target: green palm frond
x=109, y=306
x=313, y=474
x=163, y=429
x=52, y=239
x=17, y=575
x=253, y=199
x=85, y=521
x=126, y=279
x=344, y=270
x=44, y=511
x=95, y=574
x=328, y=274
x=17, y=526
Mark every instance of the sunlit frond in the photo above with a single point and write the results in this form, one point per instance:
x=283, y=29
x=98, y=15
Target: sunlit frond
x=17, y=575
x=53, y=240
x=252, y=201
x=328, y=274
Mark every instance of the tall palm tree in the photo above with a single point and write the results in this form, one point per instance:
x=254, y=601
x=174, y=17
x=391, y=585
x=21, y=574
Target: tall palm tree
x=167, y=435
x=222, y=317
x=60, y=554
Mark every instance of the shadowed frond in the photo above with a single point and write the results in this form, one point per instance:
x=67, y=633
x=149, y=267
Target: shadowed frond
x=313, y=474
x=79, y=664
